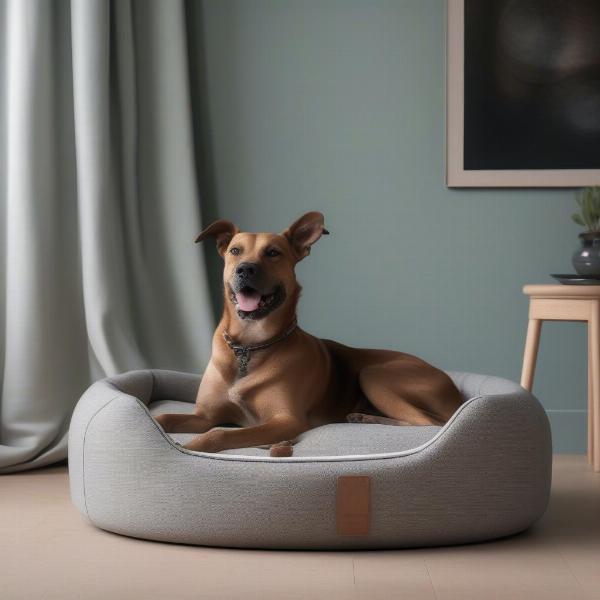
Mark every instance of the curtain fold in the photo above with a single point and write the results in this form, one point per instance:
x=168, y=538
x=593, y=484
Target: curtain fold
x=100, y=208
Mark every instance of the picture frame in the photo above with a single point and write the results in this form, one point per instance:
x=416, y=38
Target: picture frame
x=456, y=173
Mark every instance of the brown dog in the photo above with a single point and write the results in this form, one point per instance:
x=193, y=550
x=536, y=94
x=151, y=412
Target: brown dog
x=276, y=381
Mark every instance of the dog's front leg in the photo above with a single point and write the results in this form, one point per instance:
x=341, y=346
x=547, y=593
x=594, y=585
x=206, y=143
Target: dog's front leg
x=277, y=429
x=184, y=423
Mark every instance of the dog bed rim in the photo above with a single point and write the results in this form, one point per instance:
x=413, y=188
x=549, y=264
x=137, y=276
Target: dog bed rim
x=295, y=459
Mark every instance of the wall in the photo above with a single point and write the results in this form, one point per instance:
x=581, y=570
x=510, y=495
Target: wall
x=338, y=105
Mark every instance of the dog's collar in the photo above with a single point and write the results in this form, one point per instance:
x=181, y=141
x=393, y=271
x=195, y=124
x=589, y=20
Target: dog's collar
x=243, y=353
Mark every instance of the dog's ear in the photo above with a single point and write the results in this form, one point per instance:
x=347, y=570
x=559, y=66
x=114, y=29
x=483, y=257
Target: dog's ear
x=223, y=231
x=304, y=232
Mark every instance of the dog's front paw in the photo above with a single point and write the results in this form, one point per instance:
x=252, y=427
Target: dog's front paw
x=282, y=449
x=211, y=441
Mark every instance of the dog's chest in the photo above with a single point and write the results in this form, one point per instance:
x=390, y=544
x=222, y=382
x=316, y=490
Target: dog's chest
x=236, y=397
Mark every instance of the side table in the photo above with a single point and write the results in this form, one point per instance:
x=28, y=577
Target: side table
x=568, y=303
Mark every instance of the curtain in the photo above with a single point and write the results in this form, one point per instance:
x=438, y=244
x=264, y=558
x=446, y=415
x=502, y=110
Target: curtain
x=99, y=210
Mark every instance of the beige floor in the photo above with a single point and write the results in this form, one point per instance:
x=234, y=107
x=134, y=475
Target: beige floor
x=47, y=551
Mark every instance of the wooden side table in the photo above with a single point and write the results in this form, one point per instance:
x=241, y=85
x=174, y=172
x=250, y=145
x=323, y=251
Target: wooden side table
x=568, y=303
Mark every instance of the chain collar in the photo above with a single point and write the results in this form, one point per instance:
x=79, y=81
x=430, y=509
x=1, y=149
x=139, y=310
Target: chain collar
x=243, y=353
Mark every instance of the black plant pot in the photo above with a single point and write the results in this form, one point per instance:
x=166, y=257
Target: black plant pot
x=586, y=259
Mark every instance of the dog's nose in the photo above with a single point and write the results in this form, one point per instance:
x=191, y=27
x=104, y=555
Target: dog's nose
x=246, y=269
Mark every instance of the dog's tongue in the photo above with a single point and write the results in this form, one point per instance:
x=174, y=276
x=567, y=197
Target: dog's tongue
x=248, y=300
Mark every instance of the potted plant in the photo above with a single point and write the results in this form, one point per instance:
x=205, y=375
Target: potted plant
x=586, y=259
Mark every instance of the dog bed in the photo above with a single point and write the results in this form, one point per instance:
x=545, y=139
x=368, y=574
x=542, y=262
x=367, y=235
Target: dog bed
x=483, y=475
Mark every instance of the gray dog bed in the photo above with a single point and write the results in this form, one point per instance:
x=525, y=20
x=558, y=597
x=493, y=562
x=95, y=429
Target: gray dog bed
x=484, y=475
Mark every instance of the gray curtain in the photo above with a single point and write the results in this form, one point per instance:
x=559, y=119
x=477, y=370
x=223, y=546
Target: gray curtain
x=99, y=210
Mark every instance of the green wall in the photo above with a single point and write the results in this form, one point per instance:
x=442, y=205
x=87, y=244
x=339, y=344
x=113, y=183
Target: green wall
x=338, y=105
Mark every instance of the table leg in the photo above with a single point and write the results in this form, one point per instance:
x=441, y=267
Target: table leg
x=594, y=337
x=532, y=343
x=590, y=420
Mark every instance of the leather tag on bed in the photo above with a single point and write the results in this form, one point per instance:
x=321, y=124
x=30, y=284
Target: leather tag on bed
x=353, y=504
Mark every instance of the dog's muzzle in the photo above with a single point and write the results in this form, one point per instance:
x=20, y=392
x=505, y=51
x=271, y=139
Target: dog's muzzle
x=253, y=297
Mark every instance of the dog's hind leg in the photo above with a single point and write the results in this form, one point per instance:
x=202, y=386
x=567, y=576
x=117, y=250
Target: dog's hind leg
x=365, y=418
x=410, y=391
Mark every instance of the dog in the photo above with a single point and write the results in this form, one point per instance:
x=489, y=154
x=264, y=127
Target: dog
x=273, y=380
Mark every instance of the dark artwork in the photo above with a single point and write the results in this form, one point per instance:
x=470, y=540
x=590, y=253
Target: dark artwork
x=532, y=84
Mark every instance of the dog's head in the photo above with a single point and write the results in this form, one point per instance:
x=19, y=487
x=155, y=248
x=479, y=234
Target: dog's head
x=259, y=272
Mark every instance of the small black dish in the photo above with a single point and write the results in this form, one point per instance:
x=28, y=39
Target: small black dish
x=577, y=279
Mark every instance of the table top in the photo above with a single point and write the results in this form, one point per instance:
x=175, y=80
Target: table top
x=562, y=291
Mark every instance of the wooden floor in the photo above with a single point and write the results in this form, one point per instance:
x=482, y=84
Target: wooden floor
x=47, y=551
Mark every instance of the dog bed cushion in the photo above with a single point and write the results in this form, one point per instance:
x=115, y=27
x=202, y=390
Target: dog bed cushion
x=483, y=475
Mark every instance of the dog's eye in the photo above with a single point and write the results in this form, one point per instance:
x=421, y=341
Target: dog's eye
x=272, y=252
x=235, y=251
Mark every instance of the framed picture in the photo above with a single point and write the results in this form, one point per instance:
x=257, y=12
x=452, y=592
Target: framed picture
x=523, y=93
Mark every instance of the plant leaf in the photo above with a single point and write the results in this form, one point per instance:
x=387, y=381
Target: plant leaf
x=586, y=212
